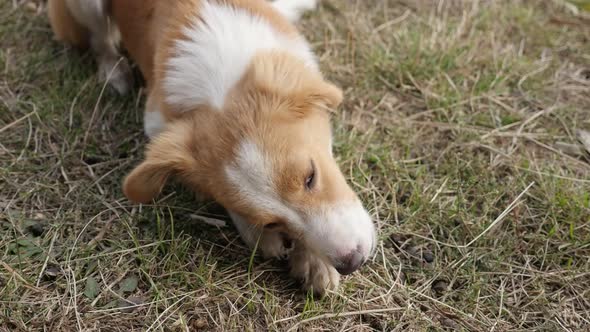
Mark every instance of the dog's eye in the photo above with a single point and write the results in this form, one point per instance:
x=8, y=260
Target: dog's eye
x=272, y=225
x=311, y=178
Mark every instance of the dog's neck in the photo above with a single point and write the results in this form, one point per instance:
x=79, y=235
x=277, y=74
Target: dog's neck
x=217, y=48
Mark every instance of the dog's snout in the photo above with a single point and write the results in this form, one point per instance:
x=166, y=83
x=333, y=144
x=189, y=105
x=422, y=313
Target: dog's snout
x=350, y=263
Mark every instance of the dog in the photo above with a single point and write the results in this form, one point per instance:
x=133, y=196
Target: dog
x=236, y=110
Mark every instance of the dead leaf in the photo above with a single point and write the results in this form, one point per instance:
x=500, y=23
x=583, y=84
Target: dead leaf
x=92, y=288
x=129, y=304
x=128, y=284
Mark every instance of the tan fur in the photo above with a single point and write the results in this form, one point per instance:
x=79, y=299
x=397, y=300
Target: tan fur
x=291, y=121
x=191, y=149
x=141, y=31
x=149, y=39
x=86, y=24
x=140, y=28
x=65, y=27
x=279, y=104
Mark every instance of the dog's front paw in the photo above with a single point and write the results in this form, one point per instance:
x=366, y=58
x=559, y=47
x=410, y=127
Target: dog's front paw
x=275, y=245
x=316, y=273
x=117, y=72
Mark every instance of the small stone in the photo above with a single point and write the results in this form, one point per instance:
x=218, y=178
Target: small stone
x=36, y=229
x=451, y=324
x=413, y=251
x=440, y=286
x=397, y=238
x=51, y=272
x=129, y=304
x=199, y=324
x=428, y=256
x=402, y=277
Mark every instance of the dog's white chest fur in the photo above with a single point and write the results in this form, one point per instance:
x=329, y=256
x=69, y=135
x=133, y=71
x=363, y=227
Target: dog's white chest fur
x=219, y=46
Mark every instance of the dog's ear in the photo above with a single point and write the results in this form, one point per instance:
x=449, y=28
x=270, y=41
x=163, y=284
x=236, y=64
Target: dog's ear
x=291, y=77
x=324, y=94
x=318, y=95
x=167, y=155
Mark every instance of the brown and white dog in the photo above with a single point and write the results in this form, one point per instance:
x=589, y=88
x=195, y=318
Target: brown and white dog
x=238, y=110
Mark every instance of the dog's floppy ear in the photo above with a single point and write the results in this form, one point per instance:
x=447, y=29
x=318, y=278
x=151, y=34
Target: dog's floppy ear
x=325, y=94
x=167, y=155
x=318, y=95
x=291, y=77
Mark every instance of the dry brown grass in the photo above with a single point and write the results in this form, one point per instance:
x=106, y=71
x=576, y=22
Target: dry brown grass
x=458, y=131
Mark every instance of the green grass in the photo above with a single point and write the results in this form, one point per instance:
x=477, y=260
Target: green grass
x=451, y=112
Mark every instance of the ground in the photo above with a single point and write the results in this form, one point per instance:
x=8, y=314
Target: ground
x=460, y=132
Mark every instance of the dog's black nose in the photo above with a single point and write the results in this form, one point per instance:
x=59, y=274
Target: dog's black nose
x=350, y=263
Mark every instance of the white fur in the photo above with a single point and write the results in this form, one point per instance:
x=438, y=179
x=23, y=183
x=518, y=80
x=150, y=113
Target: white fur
x=338, y=230
x=219, y=46
x=315, y=271
x=293, y=9
x=153, y=123
x=270, y=243
x=332, y=231
x=91, y=13
x=248, y=232
x=104, y=38
x=251, y=175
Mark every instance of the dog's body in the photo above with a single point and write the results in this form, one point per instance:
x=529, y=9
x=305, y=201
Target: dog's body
x=237, y=110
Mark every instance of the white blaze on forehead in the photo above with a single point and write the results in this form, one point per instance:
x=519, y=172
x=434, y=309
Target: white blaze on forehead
x=219, y=46
x=251, y=175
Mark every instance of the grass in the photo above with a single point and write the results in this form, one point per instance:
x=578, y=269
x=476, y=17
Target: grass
x=458, y=132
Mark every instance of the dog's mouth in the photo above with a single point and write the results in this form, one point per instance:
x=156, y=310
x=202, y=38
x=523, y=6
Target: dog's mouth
x=288, y=242
x=344, y=265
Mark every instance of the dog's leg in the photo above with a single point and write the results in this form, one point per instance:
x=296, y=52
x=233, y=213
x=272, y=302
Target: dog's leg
x=316, y=273
x=65, y=27
x=153, y=121
x=272, y=244
x=84, y=23
x=293, y=9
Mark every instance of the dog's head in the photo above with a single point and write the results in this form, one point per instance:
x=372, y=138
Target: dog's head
x=267, y=157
